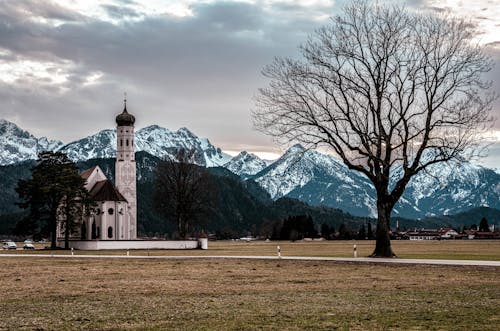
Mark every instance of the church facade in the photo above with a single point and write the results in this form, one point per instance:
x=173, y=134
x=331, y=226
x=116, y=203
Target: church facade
x=114, y=214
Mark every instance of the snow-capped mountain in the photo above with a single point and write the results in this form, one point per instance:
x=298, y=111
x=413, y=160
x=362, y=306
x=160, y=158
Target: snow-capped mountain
x=318, y=179
x=18, y=145
x=162, y=142
x=308, y=175
x=245, y=164
x=449, y=188
x=321, y=179
x=153, y=139
x=100, y=145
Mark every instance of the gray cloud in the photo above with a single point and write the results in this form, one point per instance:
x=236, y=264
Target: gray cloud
x=200, y=71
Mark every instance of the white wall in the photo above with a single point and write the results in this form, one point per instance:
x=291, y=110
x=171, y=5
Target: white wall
x=133, y=244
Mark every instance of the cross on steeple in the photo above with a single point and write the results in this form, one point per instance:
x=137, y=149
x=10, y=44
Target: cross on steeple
x=125, y=101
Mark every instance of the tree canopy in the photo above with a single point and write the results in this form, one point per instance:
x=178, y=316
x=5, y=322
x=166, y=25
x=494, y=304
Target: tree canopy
x=390, y=91
x=184, y=192
x=54, y=195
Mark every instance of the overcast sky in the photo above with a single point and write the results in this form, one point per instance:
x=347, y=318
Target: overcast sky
x=64, y=65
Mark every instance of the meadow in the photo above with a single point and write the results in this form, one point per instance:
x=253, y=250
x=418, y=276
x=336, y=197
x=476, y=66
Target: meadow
x=40, y=293
x=435, y=249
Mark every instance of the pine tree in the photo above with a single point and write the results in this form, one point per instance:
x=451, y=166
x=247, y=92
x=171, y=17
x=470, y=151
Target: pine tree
x=55, y=180
x=483, y=225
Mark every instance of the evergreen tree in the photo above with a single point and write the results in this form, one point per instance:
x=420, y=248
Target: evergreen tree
x=344, y=232
x=325, y=231
x=54, y=180
x=369, y=233
x=483, y=225
x=362, y=232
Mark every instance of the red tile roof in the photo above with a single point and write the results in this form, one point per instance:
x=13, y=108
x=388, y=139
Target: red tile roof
x=104, y=190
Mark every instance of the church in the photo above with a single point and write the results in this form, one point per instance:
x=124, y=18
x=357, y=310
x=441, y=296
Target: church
x=112, y=222
x=114, y=214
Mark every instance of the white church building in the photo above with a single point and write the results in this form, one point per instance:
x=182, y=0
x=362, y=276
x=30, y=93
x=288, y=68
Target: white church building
x=112, y=222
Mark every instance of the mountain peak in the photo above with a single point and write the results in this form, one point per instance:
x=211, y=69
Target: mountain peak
x=153, y=139
x=18, y=145
x=245, y=164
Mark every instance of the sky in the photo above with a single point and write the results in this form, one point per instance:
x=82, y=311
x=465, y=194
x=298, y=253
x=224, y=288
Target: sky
x=65, y=64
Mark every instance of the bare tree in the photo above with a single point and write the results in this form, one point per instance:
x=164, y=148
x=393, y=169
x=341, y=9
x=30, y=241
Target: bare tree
x=184, y=192
x=389, y=91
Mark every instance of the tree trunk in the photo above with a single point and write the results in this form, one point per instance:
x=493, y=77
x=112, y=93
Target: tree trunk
x=383, y=240
x=53, y=228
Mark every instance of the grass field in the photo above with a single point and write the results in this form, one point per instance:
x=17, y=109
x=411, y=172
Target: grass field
x=69, y=294
x=445, y=249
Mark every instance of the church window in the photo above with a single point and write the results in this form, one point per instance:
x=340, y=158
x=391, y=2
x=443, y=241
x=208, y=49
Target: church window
x=121, y=142
x=97, y=211
x=111, y=211
x=127, y=142
x=110, y=232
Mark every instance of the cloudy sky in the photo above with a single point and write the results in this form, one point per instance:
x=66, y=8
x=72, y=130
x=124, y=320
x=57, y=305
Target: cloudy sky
x=65, y=64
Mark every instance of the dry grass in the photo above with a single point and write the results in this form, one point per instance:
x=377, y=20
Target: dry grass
x=446, y=249
x=55, y=294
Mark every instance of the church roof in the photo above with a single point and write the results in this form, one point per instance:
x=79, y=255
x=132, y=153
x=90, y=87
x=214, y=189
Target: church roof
x=86, y=173
x=104, y=190
x=125, y=119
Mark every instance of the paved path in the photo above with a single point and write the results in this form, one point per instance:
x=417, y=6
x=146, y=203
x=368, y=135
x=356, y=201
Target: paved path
x=299, y=258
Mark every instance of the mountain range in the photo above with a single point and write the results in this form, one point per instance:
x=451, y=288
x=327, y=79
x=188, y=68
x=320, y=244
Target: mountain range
x=307, y=175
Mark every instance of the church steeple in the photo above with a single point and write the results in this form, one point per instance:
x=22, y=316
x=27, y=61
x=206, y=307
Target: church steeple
x=125, y=167
x=125, y=119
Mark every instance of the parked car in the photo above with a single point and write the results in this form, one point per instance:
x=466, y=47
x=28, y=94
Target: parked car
x=28, y=245
x=9, y=245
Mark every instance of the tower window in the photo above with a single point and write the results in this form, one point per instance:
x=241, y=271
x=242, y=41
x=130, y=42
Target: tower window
x=127, y=142
x=110, y=232
x=121, y=142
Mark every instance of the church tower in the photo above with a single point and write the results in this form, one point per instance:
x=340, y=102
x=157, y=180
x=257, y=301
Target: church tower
x=125, y=169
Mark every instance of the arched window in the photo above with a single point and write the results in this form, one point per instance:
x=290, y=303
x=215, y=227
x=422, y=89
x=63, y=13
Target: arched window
x=127, y=142
x=111, y=211
x=121, y=142
x=94, y=231
x=110, y=232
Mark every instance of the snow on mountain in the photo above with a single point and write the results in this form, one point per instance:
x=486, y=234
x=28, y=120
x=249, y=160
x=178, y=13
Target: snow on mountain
x=245, y=164
x=318, y=179
x=18, y=145
x=162, y=142
x=323, y=180
x=448, y=188
x=99, y=145
x=153, y=139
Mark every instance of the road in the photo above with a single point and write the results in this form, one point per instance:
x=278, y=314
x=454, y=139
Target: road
x=298, y=258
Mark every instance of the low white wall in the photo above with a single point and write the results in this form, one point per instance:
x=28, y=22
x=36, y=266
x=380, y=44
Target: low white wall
x=133, y=244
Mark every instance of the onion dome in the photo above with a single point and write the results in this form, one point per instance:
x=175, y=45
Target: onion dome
x=125, y=119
